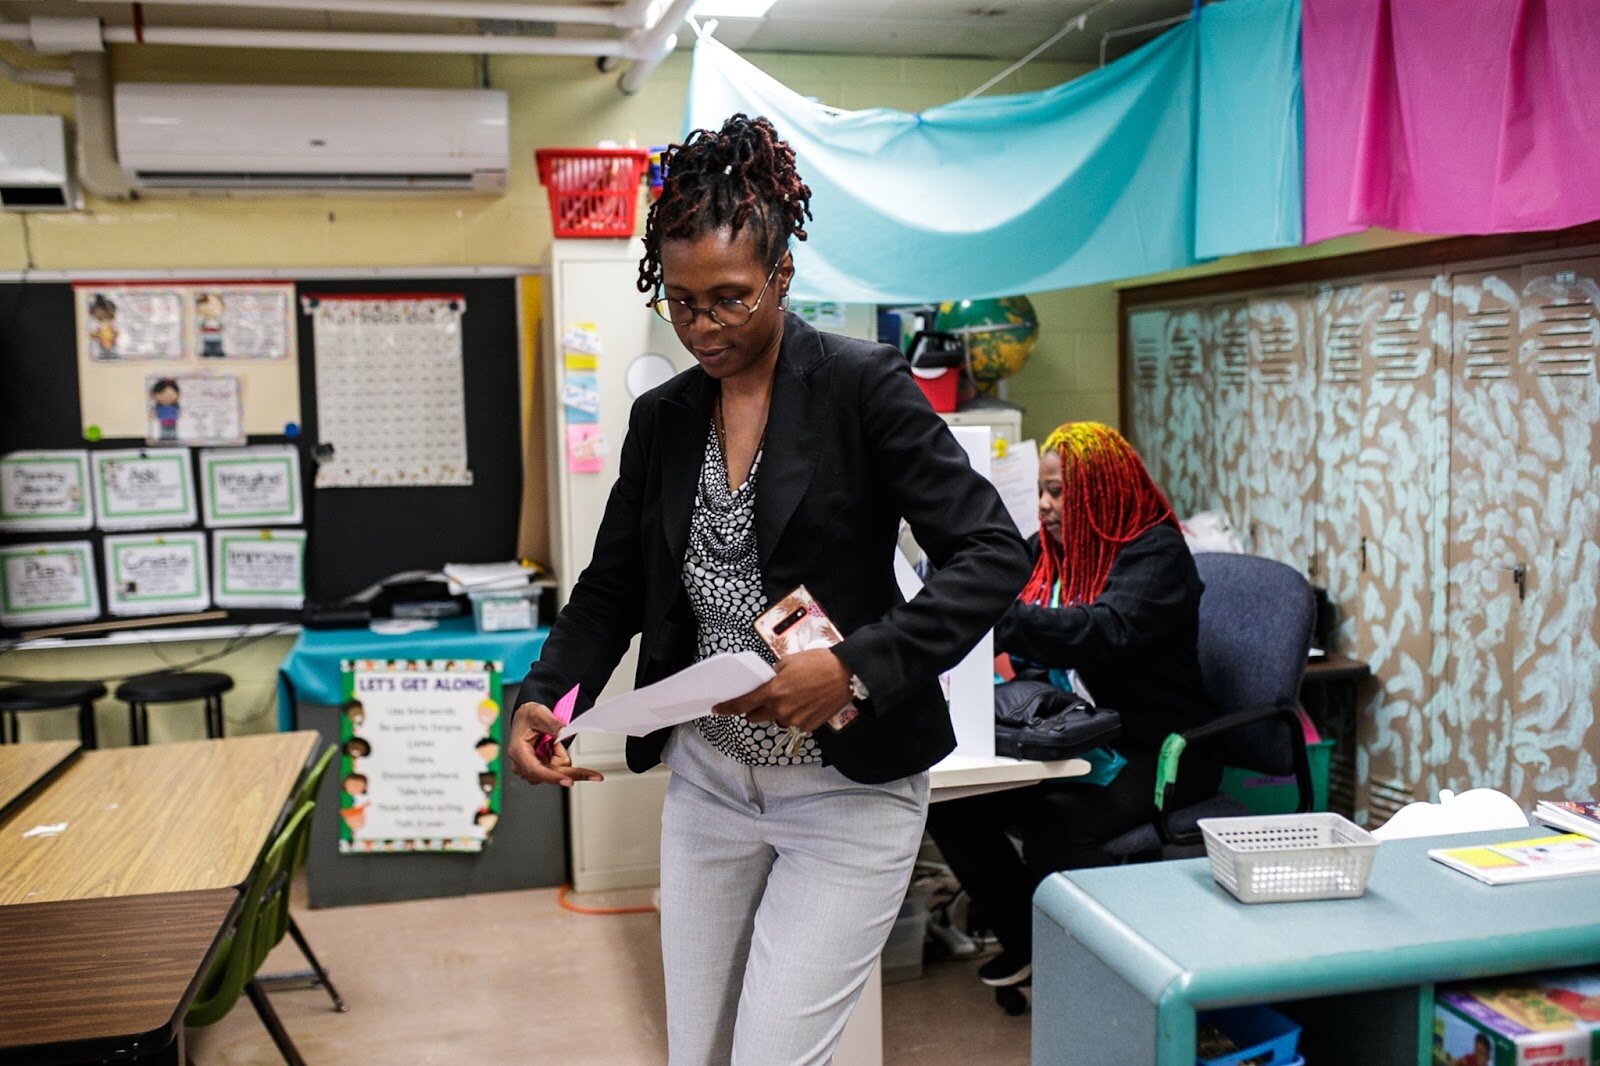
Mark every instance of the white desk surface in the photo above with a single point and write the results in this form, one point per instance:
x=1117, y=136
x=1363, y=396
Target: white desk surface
x=957, y=776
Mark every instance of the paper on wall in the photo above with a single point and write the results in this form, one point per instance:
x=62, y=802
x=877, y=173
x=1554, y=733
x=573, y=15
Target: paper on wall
x=45, y=490
x=156, y=573
x=194, y=409
x=242, y=321
x=391, y=399
x=50, y=582
x=118, y=324
x=251, y=486
x=259, y=568
x=143, y=488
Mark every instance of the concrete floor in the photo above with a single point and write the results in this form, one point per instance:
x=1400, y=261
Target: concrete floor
x=514, y=978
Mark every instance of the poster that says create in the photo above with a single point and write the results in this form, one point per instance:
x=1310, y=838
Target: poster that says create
x=421, y=756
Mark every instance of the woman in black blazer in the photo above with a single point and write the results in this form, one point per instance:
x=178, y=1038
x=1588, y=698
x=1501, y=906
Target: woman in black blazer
x=786, y=457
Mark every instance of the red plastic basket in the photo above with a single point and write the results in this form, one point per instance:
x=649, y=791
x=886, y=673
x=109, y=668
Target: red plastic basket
x=593, y=191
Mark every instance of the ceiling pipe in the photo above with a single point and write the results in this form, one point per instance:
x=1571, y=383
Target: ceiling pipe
x=324, y=40
x=466, y=9
x=653, y=44
x=99, y=172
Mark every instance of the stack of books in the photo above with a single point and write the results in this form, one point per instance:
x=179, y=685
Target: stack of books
x=1567, y=854
x=1575, y=816
x=1549, y=1019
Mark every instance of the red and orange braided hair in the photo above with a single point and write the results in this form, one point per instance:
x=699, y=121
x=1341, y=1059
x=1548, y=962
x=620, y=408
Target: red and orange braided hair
x=1107, y=500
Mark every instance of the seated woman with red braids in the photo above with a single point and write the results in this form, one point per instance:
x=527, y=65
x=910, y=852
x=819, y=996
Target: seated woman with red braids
x=1113, y=602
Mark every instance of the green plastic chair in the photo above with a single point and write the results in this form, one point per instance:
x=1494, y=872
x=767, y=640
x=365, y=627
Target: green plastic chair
x=317, y=976
x=262, y=923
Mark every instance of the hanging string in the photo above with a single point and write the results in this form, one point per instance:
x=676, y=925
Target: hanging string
x=1078, y=22
x=1107, y=500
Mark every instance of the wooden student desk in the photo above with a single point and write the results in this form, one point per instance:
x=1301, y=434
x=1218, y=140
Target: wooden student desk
x=93, y=979
x=1124, y=957
x=23, y=767
x=163, y=818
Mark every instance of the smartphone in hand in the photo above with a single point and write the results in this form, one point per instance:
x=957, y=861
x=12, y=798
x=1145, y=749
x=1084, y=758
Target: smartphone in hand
x=797, y=623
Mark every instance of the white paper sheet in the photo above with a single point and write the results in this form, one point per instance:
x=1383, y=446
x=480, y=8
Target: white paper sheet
x=143, y=488
x=48, y=582
x=45, y=490
x=251, y=486
x=683, y=697
x=1016, y=475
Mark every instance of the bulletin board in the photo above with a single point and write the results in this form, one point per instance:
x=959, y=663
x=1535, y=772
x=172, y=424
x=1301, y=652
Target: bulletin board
x=353, y=536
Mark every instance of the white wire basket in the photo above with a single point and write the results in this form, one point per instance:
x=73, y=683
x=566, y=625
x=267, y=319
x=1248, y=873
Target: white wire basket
x=1282, y=857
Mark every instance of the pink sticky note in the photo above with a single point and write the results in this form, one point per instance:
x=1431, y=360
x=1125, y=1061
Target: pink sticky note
x=586, y=449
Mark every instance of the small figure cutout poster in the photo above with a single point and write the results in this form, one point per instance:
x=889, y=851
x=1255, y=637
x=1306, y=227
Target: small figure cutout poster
x=420, y=755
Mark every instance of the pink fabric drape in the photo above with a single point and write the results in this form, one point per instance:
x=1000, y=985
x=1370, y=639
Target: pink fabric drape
x=1450, y=116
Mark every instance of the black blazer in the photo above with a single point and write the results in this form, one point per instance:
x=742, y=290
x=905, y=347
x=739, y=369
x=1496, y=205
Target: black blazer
x=1136, y=646
x=851, y=446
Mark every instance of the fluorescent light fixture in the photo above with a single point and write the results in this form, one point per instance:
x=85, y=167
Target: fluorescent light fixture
x=732, y=9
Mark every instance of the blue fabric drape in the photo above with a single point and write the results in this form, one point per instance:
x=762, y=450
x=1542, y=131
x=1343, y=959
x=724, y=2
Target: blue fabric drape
x=1084, y=182
x=1248, y=171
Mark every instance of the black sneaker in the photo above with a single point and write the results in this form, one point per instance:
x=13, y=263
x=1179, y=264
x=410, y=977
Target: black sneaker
x=1006, y=969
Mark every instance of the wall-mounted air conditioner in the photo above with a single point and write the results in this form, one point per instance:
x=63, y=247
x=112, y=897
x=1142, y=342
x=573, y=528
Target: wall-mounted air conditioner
x=33, y=164
x=266, y=137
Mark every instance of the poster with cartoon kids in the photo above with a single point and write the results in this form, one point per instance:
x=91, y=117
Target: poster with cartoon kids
x=419, y=766
x=242, y=321
x=131, y=323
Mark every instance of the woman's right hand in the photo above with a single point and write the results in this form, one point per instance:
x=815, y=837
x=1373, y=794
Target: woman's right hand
x=546, y=765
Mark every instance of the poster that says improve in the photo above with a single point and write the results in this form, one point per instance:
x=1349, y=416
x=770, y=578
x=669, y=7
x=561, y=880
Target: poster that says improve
x=420, y=755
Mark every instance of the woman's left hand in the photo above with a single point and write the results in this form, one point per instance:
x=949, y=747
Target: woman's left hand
x=811, y=687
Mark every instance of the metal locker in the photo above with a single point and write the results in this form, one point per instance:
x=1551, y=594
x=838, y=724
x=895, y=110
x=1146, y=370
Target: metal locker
x=1488, y=544
x=1229, y=440
x=1282, y=471
x=1553, y=737
x=1184, y=465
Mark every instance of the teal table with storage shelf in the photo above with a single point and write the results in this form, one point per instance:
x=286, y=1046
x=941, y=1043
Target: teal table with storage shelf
x=1124, y=957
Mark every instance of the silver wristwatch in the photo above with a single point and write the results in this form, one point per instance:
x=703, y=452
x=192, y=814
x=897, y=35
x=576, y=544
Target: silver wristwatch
x=858, y=688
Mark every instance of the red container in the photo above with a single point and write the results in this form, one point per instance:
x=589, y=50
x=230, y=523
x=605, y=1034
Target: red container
x=939, y=386
x=593, y=191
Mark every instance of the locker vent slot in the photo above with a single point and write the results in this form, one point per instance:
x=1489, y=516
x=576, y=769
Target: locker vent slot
x=1342, y=351
x=1399, y=348
x=1487, y=344
x=1184, y=358
x=1566, y=341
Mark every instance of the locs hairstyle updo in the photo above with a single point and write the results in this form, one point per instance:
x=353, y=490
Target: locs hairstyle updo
x=739, y=178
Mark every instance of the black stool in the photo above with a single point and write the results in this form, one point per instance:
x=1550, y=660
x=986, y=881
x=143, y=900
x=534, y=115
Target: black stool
x=50, y=696
x=140, y=692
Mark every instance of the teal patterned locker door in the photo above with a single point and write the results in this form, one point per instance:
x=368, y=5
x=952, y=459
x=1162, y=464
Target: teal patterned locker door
x=1229, y=440
x=1281, y=483
x=1147, y=388
x=1340, y=389
x=1488, y=537
x=1183, y=455
x=1401, y=504
x=1554, y=740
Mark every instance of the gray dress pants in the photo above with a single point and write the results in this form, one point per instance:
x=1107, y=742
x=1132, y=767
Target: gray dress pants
x=779, y=886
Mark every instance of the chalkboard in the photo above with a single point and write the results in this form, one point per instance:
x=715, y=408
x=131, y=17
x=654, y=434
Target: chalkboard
x=356, y=536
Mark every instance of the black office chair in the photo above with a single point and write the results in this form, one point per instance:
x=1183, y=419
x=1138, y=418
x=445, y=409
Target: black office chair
x=140, y=692
x=50, y=696
x=1256, y=621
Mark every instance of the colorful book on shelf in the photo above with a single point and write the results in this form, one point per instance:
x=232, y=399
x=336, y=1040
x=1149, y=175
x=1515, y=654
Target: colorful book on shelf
x=1532, y=859
x=1575, y=816
x=1550, y=1018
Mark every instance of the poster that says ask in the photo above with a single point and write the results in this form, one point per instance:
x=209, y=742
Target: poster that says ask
x=420, y=766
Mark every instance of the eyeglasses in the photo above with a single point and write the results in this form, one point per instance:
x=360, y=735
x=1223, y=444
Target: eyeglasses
x=730, y=313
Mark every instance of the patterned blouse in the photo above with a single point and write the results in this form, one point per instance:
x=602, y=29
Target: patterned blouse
x=722, y=574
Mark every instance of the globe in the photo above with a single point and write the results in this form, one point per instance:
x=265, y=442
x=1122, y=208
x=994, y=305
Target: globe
x=1000, y=334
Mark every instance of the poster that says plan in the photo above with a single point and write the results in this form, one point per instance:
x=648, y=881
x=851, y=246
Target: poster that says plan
x=420, y=755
